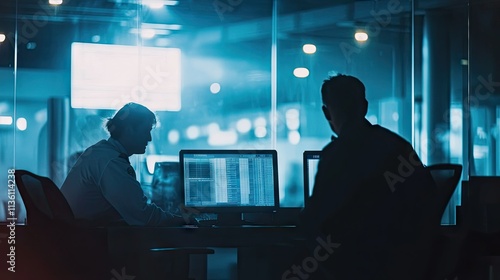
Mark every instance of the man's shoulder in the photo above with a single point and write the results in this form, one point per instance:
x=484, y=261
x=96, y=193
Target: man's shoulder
x=100, y=150
x=388, y=135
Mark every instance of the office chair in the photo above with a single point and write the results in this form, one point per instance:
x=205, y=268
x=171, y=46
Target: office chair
x=77, y=242
x=481, y=258
x=447, y=246
x=76, y=251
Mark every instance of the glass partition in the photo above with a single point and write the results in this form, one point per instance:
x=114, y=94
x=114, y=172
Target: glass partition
x=234, y=74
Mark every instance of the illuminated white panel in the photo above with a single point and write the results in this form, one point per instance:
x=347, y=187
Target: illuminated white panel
x=109, y=76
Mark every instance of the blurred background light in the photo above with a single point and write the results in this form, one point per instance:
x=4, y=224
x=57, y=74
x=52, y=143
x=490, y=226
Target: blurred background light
x=292, y=119
x=213, y=127
x=372, y=119
x=153, y=4
x=260, y=121
x=192, y=132
x=55, y=2
x=173, y=136
x=5, y=120
x=22, y=124
x=301, y=72
x=222, y=138
x=309, y=48
x=294, y=137
x=147, y=33
x=395, y=116
x=243, y=125
x=361, y=36
x=2, y=38
x=215, y=88
x=260, y=132
x=95, y=39
x=31, y=46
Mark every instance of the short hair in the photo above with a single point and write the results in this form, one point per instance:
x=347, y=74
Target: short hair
x=130, y=115
x=345, y=94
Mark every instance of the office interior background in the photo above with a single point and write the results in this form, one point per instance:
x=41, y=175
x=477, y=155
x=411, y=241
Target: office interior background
x=241, y=74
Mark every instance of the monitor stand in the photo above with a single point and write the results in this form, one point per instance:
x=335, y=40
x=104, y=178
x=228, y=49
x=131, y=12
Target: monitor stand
x=229, y=219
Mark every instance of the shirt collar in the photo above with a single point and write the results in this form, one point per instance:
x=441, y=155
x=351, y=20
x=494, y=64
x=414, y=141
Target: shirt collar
x=118, y=145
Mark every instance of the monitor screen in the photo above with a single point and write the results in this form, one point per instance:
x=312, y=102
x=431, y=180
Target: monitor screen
x=223, y=181
x=310, y=162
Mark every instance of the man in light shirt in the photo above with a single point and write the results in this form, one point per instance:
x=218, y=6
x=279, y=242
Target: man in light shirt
x=102, y=188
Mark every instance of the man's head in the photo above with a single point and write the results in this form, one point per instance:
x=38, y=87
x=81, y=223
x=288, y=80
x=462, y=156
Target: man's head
x=343, y=100
x=131, y=126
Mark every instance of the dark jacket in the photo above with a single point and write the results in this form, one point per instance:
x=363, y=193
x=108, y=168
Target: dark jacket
x=373, y=196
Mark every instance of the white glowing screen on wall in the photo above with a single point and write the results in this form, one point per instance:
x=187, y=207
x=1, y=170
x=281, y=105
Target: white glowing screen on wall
x=109, y=76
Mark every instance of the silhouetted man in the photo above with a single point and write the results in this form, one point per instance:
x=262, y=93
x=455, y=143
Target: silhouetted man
x=372, y=196
x=102, y=187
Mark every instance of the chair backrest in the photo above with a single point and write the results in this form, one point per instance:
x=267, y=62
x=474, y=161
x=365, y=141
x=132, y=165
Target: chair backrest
x=45, y=204
x=446, y=176
x=483, y=201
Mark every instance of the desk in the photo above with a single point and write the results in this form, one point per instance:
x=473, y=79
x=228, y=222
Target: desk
x=138, y=238
x=252, y=242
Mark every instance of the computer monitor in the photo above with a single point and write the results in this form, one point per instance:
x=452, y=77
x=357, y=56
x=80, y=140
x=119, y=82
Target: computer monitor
x=310, y=163
x=230, y=182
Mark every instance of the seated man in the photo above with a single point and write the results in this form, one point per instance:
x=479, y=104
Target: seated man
x=102, y=188
x=372, y=196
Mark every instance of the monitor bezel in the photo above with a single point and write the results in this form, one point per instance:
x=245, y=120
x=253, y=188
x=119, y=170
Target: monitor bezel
x=305, y=156
x=232, y=208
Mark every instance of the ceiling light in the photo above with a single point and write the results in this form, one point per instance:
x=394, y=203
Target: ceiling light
x=55, y=2
x=301, y=72
x=361, y=36
x=309, y=48
x=2, y=38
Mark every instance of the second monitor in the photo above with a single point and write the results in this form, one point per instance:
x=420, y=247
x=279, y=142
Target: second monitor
x=230, y=182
